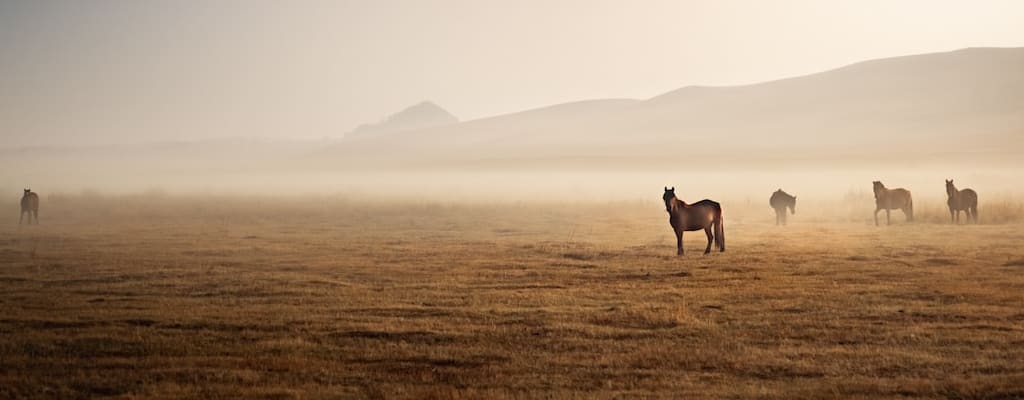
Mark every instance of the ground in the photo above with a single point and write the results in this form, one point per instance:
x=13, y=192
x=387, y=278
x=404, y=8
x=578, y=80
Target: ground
x=328, y=298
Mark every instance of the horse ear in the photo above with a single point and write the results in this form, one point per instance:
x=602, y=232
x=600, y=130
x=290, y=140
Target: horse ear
x=666, y=188
x=672, y=189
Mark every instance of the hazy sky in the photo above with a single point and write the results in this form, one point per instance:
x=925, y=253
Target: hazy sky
x=107, y=71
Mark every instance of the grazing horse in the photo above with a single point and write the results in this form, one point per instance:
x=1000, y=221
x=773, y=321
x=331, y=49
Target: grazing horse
x=704, y=214
x=29, y=205
x=780, y=201
x=892, y=199
x=961, y=200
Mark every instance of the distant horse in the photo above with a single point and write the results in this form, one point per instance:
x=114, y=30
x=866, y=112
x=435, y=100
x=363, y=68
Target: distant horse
x=892, y=199
x=780, y=201
x=29, y=205
x=704, y=214
x=961, y=200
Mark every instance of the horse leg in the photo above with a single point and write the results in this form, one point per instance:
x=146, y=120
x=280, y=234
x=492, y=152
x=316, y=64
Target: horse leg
x=21, y=217
x=777, y=217
x=679, y=242
x=36, y=213
x=887, y=220
x=876, y=216
x=707, y=231
x=720, y=233
x=784, y=216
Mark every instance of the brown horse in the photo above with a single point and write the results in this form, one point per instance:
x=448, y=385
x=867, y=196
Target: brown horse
x=29, y=205
x=704, y=214
x=892, y=199
x=961, y=200
x=780, y=201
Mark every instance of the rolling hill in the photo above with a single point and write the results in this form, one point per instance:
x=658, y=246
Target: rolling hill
x=966, y=103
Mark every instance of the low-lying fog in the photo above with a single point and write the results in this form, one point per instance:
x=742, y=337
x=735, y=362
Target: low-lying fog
x=821, y=192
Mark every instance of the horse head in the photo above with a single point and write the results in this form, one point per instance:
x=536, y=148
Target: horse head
x=670, y=194
x=27, y=191
x=950, y=189
x=878, y=187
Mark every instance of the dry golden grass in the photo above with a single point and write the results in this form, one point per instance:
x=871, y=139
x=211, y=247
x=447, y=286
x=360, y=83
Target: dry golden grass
x=165, y=297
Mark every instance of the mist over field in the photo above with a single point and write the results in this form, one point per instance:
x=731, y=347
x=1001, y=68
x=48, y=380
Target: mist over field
x=471, y=199
x=908, y=121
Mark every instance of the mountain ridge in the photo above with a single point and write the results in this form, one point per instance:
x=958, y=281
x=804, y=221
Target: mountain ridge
x=422, y=115
x=972, y=98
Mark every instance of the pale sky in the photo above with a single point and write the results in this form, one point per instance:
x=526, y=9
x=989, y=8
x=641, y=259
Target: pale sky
x=96, y=72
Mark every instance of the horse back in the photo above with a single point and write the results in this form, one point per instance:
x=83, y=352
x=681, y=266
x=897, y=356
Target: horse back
x=30, y=202
x=708, y=203
x=895, y=198
x=970, y=196
x=780, y=200
x=696, y=216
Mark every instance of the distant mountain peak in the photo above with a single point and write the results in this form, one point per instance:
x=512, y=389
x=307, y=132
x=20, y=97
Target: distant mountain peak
x=422, y=115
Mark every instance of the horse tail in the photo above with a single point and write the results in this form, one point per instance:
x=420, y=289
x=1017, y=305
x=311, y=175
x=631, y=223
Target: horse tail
x=719, y=228
x=910, y=206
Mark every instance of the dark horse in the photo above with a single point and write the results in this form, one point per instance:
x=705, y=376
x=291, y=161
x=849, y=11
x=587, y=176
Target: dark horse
x=892, y=199
x=704, y=214
x=30, y=206
x=780, y=201
x=961, y=200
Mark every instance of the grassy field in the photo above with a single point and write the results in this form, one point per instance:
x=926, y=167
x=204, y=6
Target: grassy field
x=272, y=298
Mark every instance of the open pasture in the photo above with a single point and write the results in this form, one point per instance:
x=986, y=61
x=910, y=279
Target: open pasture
x=280, y=298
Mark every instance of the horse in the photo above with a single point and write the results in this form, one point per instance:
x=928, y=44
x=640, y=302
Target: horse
x=704, y=214
x=892, y=199
x=780, y=201
x=29, y=205
x=961, y=200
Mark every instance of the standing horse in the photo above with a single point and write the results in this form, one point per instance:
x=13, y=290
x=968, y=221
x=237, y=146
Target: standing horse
x=892, y=199
x=704, y=214
x=961, y=200
x=29, y=205
x=780, y=201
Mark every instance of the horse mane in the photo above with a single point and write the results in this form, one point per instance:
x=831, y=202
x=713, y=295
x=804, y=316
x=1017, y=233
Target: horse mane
x=673, y=202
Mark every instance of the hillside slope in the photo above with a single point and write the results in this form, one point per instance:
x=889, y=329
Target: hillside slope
x=966, y=102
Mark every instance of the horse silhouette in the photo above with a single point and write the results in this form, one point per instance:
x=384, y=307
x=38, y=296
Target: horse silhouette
x=30, y=206
x=961, y=200
x=892, y=199
x=780, y=201
x=704, y=214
